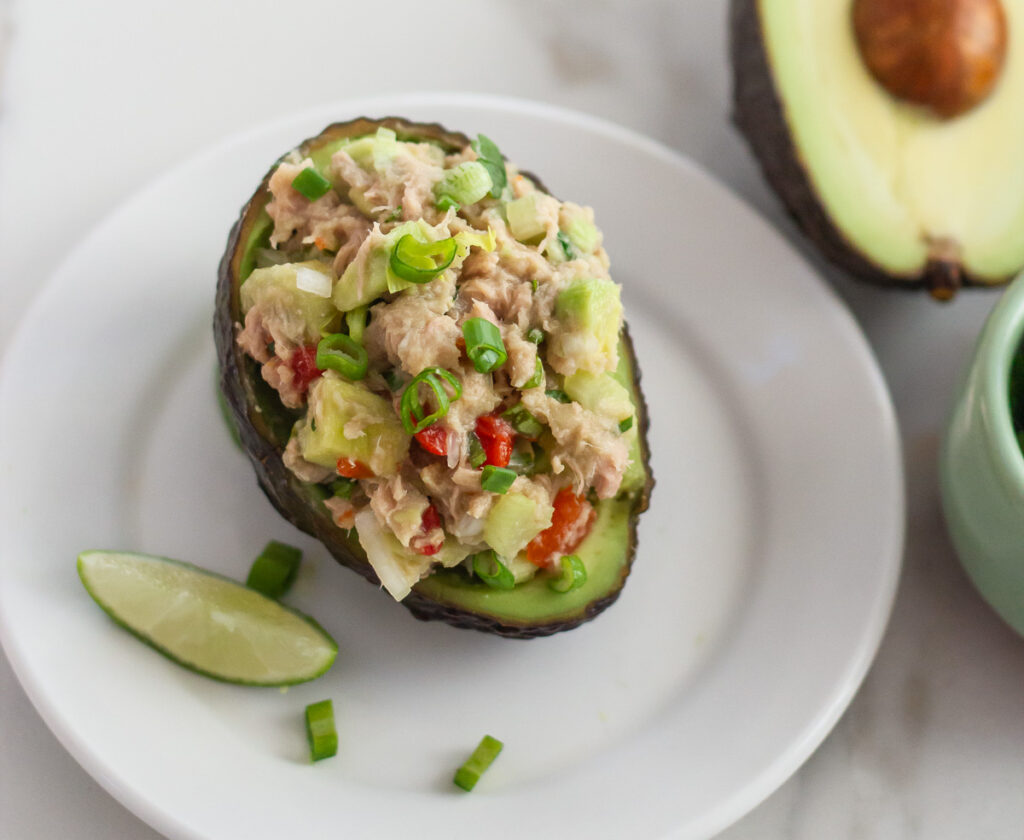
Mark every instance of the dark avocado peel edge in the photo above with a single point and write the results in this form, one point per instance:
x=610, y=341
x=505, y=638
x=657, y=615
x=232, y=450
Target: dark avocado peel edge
x=264, y=425
x=759, y=114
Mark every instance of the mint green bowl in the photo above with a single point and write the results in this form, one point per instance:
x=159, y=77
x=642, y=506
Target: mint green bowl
x=982, y=466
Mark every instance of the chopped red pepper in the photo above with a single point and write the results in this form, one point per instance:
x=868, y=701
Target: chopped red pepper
x=303, y=365
x=431, y=520
x=496, y=436
x=571, y=522
x=434, y=439
x=353, y=469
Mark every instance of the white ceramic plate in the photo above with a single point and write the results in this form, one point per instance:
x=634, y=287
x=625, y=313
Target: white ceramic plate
x=765, y=574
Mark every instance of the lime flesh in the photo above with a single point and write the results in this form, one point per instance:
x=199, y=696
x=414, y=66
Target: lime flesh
x=205, y=622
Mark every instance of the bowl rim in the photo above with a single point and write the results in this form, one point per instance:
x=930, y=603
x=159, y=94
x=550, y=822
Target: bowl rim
x=1000, y=340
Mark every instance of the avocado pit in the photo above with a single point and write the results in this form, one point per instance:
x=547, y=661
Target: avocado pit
x=945, y=55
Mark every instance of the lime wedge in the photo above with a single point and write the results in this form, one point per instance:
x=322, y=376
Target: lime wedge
x=209, y=624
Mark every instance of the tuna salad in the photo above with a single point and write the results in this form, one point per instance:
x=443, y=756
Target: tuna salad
x=446, y=335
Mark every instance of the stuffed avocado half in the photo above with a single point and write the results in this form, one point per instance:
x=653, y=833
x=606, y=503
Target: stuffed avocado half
x=425, y=356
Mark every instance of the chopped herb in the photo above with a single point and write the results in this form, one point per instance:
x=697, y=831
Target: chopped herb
x=445, y=202
x=311, y=184
x=483, y=756
x=271, y=348
x=477, y=455
x=484, y=346
x=559, y=395
x=523, y=458
x=535, y=335
x=394, y=215
x=274, y=570
x=538, y=375
x=312, y=424
x=489, y=155
x=343, y=487
x=420, y=262
x=567, y=246
x=492, y=571
x=520, y=418
x=573, y=576
x=497, y=479
x=343, y=354
x=414, y=416
x=323, y=737
x=626, y=424
x=393, y=378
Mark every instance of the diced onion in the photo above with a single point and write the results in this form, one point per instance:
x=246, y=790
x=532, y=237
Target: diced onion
x=312, y=281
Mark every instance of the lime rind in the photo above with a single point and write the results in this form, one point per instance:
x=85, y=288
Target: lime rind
x=206, y=622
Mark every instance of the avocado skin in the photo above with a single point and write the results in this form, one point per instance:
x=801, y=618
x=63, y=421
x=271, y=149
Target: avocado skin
x=263, y=423
x=758, y=114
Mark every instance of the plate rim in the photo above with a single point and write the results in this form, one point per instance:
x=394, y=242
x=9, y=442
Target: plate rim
x=803, y=744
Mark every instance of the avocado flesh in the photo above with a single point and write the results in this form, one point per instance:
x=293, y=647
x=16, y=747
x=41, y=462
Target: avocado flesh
x=907, y=193
x=264, y=426
x=604, y=553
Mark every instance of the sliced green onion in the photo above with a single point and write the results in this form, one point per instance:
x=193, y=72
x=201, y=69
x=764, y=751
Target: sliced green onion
x=343, y=488
x=488, y=154
x=323, y=737
x=626, y=424
x=497, y=479
x=483, y=756
x=446, y=203
x=523, y=421
x=421, y=262
x=273, y=572
x=342, y=353
x=394, y=215
x=477, y=456
x=535, y=335
x=414, y=416
x=573, y=576
x=567, y=246
x=484, y=346
x=492, y=571
x=311, y=184
x=355, y=320
x=466, y=183
x=559, y=395
x=538, y=375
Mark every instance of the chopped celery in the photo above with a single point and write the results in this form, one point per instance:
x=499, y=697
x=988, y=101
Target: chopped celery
x=467, y=183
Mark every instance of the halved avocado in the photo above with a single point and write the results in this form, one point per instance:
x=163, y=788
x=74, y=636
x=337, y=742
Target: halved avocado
x=264, y=425
x=900, y=159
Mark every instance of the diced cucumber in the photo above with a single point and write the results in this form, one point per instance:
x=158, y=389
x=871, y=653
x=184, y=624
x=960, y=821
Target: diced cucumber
x=381, y=443
x=514, y=520
x=526, y=217
x=600, y=393
x=578, y=225
x=274, y=288
x=590, y=313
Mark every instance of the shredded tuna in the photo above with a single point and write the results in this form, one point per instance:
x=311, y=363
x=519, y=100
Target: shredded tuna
x=343, y=512
x=459, y=499
x=398, y=506
x=325, y=222
x=280, y=376
x=413, y=333
x=594, y=455
x=303, y=469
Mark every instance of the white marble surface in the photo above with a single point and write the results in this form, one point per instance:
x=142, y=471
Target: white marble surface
x=98, y=98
